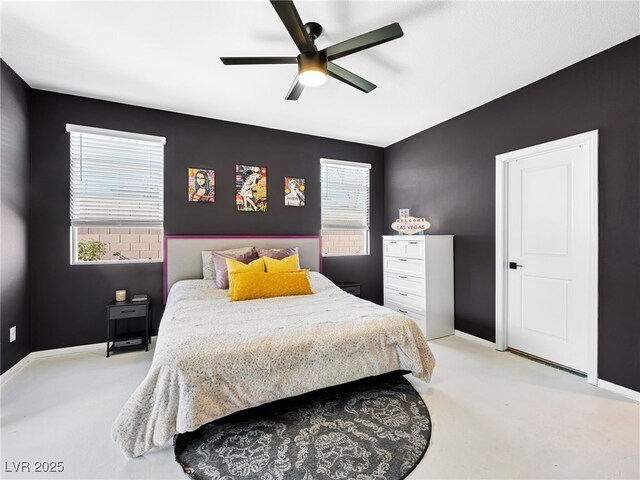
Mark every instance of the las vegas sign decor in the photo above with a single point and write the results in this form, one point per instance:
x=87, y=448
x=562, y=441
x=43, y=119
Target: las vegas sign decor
x=410, y=225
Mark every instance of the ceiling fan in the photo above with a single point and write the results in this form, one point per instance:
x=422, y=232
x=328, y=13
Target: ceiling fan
x=314, y=65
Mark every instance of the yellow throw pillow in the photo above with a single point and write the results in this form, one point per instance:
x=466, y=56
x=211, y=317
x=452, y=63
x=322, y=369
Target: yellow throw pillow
x=287, y=264
x=234, y=266
x=252, y=285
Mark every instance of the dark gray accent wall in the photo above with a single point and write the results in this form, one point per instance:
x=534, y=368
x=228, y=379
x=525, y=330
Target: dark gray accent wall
x=14, y=215
x=447, y=174
x=68, y=301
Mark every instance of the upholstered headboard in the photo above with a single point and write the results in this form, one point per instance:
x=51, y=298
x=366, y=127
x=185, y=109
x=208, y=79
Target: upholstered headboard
x=182, y=259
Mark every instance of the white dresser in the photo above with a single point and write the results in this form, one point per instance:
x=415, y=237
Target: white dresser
x=418, y=280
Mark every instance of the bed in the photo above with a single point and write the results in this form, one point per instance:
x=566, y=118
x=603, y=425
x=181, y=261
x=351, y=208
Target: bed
x=214, y=357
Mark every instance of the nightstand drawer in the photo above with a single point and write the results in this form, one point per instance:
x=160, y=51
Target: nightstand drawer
x=127, y=311
x=353, y=290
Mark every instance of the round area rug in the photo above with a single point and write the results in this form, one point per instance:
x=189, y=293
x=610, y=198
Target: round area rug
x=375, y=428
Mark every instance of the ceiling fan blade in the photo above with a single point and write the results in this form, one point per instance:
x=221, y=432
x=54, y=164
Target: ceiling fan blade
x=364, y=41
x=287, y=12
x=349, y=78
x=295, y=90
x=257, y=60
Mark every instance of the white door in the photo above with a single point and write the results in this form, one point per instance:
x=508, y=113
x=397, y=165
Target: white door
x=548, y=250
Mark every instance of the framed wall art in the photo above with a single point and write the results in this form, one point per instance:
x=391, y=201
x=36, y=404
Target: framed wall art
x=294, y=192
x=202, y=185
x=251, y=188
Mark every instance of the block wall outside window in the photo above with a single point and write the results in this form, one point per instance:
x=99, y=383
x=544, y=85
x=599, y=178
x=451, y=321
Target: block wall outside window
x=344, y=242
x=125, y=243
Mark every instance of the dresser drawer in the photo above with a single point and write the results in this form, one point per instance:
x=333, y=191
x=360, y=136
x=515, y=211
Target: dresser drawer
x=127, y=311
x=404, y=247
x=404, y=283
x=395, y=248
x=414, y=249
x=404, y=266
x=419, y=318
x=409, y=300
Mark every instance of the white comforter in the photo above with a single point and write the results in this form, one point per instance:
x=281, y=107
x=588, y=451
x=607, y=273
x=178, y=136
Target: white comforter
x=214, y=357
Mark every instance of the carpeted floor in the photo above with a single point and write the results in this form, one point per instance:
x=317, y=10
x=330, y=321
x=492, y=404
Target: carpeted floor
x=495, y=415
x=374, y=428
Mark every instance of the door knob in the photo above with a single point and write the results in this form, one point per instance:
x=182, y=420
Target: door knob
x=514, y=265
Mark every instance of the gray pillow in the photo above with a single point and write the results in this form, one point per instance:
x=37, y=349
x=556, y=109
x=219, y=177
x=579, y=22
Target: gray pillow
x=220, y=264
x=277, y=253
x=208, y=269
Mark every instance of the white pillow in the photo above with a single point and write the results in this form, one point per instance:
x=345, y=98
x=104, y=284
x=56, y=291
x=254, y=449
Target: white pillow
x=208, y=269
x=208, y=272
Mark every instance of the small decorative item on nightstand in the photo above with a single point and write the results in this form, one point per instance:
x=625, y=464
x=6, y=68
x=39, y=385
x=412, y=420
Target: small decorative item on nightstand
x=133, y=337
x=350, y=287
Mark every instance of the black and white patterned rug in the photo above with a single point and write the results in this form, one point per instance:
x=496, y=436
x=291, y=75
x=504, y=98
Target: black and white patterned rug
x=375, y=428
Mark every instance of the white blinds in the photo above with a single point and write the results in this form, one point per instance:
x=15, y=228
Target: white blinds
x=345, y=195
x=116, y=178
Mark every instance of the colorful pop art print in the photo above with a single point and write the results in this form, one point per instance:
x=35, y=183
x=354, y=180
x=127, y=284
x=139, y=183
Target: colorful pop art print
x=202, y=185
x=294, y=192
x=251, y=188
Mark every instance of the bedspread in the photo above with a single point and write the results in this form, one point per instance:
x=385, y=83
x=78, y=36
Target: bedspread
x=214, y=357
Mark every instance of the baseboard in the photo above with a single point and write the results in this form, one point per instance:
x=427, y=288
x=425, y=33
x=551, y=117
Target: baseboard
x=69, y=350
x=627, y=392
x=17, y=368
x=473, y=338
x=13, y=371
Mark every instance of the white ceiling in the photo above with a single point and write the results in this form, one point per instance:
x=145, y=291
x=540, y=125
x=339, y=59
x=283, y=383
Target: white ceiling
x=453, y=57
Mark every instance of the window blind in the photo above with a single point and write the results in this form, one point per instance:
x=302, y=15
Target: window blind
x=116, y=178
x=344, y=195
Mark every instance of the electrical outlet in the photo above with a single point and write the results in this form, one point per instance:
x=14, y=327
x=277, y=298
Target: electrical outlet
x=12, y=334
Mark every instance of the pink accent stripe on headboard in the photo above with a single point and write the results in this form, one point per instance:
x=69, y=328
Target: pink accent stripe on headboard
x=204, y=237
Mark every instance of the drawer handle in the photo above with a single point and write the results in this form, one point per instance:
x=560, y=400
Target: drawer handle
x=402, y=311
x=413, y=243
x=127, y=311
x=402, y=259
x=393, y=242
x=403, y=294
x=401, y=276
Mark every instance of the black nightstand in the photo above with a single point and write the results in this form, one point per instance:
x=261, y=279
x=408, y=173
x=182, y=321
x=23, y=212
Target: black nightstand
x=350, y=287
x=131, y=340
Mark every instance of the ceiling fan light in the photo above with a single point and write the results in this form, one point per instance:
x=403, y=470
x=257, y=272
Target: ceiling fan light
x=312, y=78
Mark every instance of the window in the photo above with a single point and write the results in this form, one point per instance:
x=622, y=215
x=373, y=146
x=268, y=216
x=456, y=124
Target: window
x=117, y=191
x=345, y=207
